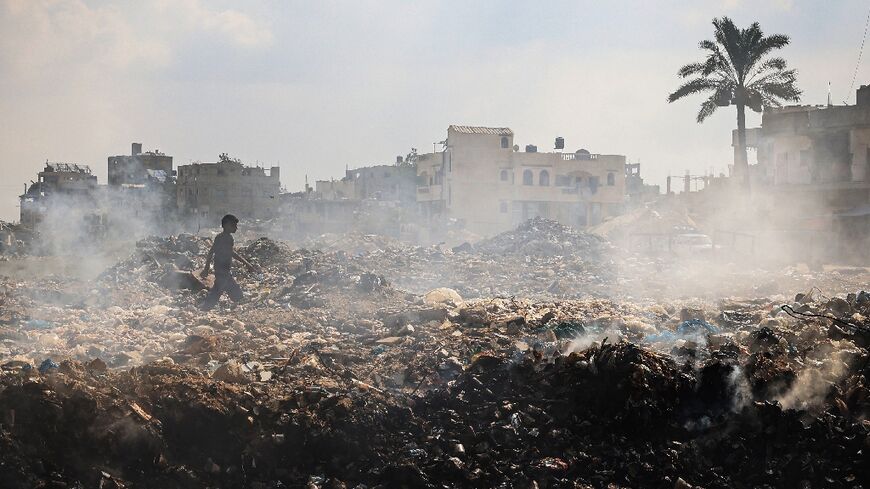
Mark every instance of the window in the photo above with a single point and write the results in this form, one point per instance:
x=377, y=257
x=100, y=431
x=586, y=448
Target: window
x=505, y=142
x=544, y=178
x=528, y=178
x=502, y=207
x=611, y=179
x=504, y=176
x=593, y=184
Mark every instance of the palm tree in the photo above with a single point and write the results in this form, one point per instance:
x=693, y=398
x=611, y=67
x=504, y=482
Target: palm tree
x=738, y=71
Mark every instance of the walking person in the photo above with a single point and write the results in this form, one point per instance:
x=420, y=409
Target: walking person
x=222, y=253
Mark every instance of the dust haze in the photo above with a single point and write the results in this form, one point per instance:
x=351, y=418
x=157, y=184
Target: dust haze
x=543, y=275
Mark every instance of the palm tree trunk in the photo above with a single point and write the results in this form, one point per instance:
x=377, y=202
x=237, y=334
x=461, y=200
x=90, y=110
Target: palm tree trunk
x=741, y=160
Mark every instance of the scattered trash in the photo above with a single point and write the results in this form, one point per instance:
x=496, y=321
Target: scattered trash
x=46, y=365
x=336, y=371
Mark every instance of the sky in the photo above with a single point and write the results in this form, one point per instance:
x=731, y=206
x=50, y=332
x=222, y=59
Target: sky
x=318, y=86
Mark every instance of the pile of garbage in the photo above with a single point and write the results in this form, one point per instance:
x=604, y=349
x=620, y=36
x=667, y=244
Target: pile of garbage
x=351, y=243
x=378, y=387
x=544, y=237
x=369, y=370
x=541, y=258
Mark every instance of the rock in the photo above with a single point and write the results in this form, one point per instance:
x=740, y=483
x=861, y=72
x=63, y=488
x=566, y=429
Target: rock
x=390, y=340
x=442, y=296
x=231, y=372
x=96, y=365
x=681, y=484
x=195, y=344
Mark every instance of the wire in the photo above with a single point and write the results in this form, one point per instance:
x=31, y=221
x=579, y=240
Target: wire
x=860, y=52
x=802, y=315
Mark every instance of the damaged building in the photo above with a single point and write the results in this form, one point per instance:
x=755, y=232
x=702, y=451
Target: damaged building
x=144, y=181
x=636, y=190
x=482, y=179
x=208, y=191
x=378, y=199
x=67, y=180
x=817, y=158
x=394, y=183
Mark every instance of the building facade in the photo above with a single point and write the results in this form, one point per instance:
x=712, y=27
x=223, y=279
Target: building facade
x=814, y=167
x=138, y=168
x=73, y=182
x=143, y=182
x=481, y=179
x=208, y=191
x=395, y=183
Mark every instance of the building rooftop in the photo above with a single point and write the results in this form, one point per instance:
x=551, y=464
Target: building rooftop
x=67, y=168
x=494, y=131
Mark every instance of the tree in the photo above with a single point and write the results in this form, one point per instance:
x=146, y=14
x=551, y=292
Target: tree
x=738, y=71
x=225, y=158
x=410, y=159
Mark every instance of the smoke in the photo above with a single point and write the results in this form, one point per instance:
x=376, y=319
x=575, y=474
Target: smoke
x=814, y=383
x=88, y=233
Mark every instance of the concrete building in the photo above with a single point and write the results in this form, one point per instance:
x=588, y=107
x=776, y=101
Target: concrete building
x=814, y=144
x=143, y=183
x=380, y=182
x=636, y=190
x=208, y=191
x=138, y=168
x=68, y=180
x=482, y=179
x=814, y=167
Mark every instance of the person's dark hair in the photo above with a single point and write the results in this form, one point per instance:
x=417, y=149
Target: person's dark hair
x=229, y=218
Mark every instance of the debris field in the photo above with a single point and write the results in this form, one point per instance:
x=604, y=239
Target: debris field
x=531, y=359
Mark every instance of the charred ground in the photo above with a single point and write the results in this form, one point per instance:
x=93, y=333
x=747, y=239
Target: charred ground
x=569, y=363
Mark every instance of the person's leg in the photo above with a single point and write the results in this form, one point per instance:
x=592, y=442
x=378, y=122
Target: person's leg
x=214, y=295
x=233, y=290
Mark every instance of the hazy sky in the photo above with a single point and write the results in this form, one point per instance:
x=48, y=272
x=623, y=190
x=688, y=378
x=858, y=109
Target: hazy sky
x=320, y=85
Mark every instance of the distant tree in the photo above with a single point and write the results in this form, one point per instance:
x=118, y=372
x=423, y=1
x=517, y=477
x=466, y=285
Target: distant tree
x=225, y=158
x=410, y=159
x=737, y=71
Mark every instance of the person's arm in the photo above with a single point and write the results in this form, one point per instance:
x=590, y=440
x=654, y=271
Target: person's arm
x=208, y=258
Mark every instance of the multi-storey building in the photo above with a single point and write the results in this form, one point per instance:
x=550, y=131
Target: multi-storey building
x=481, y=179
x=144, y=183
x=76, y=183
x=211, y=190
x=138, y=168
x=380, y=182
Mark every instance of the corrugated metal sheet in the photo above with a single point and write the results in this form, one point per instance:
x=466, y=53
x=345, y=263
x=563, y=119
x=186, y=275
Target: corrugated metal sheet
x=494, y=131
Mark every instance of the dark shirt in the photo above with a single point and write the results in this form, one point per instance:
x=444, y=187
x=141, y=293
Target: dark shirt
x=223, y=253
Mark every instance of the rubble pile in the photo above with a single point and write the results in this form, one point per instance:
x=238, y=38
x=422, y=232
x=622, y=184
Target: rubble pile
x=428, y=391
x=539, y=259
x=546, y=237
x=351, y=243
x=368, y=370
